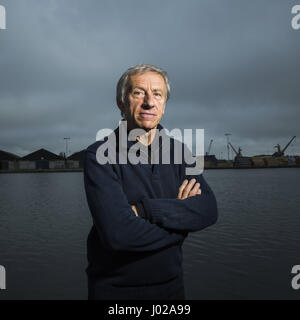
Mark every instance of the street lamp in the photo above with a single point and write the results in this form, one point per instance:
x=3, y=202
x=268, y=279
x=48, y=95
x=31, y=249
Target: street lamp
x=227, y=136
x=67, y=146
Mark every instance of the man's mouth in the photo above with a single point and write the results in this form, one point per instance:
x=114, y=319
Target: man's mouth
x=147, y=115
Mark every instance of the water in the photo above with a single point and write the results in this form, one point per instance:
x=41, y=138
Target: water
x=248, y=254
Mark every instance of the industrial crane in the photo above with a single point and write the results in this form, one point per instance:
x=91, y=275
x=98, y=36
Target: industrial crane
x=209, y=147
x=237, y=153
x=279, y=152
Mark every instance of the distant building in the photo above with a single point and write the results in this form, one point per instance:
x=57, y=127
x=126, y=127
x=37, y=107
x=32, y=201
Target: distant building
x=76, y=159
x=8, y=161
x=42, y=154
x=41, y=159
x=7, y=156
x=210, y=161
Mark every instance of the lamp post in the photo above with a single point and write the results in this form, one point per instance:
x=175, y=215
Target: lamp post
x=67, y=146
x=227, y=136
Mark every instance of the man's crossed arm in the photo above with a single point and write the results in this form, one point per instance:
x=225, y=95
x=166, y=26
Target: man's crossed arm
x=117, y=226
x=170, y=219
x=186, y=190
x=193, y=210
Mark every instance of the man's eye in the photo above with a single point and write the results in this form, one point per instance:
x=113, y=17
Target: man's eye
x=157, y=94
x=137, y=93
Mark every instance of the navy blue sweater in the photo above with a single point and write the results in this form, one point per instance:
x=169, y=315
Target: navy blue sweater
x=140, y=257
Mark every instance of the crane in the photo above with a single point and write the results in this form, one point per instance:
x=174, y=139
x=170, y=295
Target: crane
x=237, y=153
x=209, y=147
x=279, y=152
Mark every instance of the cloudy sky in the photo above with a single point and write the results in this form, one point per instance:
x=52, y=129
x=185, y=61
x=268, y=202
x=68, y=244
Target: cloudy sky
x=234, y=68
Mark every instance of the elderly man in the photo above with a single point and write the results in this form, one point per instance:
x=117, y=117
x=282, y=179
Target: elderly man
x=142, y=212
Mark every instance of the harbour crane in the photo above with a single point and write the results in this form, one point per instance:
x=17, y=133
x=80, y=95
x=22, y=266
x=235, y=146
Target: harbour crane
x=209, y=147
x=237, y=153
x=240, y=161
x=279, y=152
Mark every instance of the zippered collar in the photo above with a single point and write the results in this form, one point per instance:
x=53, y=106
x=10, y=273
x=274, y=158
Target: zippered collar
x=138, y=148
x=130, y=143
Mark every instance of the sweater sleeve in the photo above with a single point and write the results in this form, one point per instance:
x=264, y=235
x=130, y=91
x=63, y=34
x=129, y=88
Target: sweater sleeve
x=191, y=214
x=116, y=223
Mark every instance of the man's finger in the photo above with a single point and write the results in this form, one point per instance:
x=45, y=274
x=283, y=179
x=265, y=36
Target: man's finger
x=188, y=188
x=133, y=207
x=195, y=190
x=181, y=188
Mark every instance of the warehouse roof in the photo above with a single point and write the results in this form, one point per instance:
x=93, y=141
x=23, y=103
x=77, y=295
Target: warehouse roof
x=77, y=156
x=42, y=154
x=7, y=156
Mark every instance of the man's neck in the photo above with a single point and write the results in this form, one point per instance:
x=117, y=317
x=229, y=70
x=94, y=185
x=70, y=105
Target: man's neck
x=148, y=137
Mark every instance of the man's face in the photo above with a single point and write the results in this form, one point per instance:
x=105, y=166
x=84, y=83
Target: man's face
x=147, y=100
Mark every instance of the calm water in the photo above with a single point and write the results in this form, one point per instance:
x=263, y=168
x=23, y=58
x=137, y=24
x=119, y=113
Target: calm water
x=248, y=254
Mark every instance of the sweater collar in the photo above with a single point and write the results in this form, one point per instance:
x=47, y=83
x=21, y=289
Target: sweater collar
x=130, y=143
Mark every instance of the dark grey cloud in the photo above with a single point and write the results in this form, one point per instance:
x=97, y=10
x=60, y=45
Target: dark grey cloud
x=233, y=67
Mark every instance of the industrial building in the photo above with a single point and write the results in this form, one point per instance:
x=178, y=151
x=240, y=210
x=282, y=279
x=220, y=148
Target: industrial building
x=8, y=161
x=41, y=159
x=76, y=159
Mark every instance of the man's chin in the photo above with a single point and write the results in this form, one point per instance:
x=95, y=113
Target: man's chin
x=148, y=128
x=147, y=125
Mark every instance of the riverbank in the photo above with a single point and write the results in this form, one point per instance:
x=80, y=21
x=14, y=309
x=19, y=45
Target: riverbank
x=41, y=171
x=81, y=170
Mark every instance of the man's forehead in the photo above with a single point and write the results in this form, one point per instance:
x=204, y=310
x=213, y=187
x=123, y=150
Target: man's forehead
x=147, y=77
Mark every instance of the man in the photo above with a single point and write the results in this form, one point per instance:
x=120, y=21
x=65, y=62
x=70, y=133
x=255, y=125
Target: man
x=142, y=212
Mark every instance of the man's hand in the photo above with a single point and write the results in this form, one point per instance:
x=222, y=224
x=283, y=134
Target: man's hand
x=188, y=189
x=134, y=209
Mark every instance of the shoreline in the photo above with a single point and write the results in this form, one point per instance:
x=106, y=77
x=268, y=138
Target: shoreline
x=41, y=171
x=81, y=170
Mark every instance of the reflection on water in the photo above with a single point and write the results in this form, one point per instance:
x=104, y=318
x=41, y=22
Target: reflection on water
x=249, y=253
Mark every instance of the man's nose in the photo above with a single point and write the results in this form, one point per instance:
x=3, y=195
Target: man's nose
x=149, y=100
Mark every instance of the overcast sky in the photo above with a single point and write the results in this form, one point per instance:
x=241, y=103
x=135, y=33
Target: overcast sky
x=233, y=65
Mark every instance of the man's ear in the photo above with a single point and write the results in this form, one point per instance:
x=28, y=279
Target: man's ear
x=122, y=109
x=121, y=106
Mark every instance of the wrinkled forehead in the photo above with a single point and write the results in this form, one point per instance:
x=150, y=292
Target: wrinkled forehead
x=147, y=79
